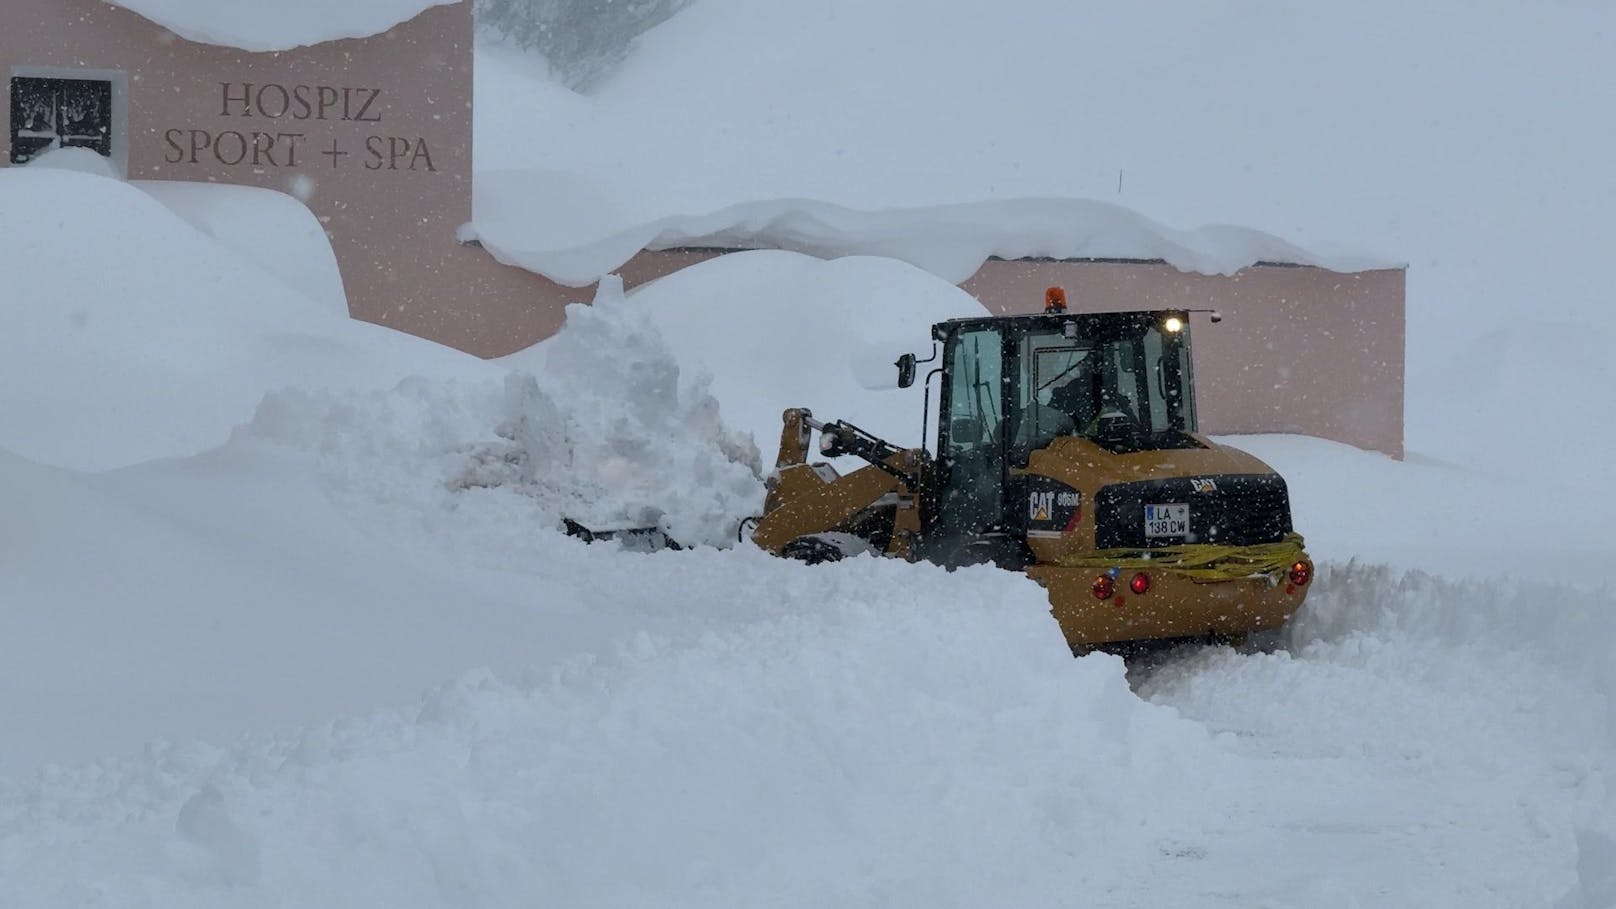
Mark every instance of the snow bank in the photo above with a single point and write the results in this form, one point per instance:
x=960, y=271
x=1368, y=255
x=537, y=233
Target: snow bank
x=1441, y=518
x=1512, y=407
x=270, y=229
x=214, y=596
x=876, y=733
x=874, y=740
x=517, y=219
x=279, y=26
x=162, y=339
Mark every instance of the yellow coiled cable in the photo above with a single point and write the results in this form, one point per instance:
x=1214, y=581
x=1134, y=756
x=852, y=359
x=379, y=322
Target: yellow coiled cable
x=1199, y=562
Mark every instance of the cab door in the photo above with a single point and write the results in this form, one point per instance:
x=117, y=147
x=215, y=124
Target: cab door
x=969, y=499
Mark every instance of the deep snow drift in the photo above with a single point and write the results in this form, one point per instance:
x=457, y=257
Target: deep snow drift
x=165, y=338
x=719, y=727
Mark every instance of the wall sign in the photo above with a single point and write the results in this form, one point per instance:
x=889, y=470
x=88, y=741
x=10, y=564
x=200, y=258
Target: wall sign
x=334, y=127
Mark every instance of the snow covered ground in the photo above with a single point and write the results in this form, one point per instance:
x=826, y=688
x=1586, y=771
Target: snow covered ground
x=285, y=618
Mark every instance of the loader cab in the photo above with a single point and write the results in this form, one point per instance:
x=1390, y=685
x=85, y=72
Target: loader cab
x=1011, y=385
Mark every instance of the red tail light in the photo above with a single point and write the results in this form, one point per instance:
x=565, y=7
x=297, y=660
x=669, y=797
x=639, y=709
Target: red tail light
x=1301, y=573
x=1103, y=587
x=1139, y=584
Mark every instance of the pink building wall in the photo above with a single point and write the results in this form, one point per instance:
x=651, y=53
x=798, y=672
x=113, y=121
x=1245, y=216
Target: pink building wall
x=1300, y=349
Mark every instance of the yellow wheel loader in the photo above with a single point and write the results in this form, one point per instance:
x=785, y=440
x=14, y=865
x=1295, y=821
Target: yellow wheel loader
x=1066, y=448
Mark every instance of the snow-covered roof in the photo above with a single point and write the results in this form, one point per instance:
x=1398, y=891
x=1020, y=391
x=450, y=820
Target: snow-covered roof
x=520, y=225
x=253, y=25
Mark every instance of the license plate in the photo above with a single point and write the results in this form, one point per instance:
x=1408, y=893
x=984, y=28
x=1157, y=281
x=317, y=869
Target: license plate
x=1170, y=520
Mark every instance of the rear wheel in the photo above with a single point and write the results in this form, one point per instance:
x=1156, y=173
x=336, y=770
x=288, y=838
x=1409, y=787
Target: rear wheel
x=959, y=550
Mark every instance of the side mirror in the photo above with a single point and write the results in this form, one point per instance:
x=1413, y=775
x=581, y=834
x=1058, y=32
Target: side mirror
x=906, y=370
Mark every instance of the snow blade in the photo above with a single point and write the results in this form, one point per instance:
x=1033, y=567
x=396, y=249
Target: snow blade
x=635, y=539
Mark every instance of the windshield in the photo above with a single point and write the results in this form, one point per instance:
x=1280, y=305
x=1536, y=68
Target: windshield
x=1133, y=381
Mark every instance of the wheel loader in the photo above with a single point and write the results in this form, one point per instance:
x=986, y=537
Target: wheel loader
x=1066, y=447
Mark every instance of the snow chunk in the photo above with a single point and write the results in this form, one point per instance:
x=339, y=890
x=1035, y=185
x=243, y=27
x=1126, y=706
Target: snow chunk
x=950, y=241
x=623, y=439
x=607, y=431
x=277, y=26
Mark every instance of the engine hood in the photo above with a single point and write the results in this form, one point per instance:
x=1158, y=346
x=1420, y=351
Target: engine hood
x=1082, y=464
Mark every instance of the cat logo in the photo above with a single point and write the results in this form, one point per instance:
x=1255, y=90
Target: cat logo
x=1203, y=485
x=1046, y=506
x=1039, y=504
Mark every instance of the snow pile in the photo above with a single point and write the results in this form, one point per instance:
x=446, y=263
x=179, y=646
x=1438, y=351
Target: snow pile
x=272, y=230
x=279, y=26
x=80, y=160
x=950, y=241
x=888, y=733
x=609, y=432
x=132, y=336
x=777, y=330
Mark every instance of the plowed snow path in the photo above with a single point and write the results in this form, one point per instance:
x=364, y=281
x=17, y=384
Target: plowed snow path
x=1418, y=744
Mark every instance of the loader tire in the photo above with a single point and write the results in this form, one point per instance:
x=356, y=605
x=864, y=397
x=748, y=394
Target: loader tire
x=812, y=550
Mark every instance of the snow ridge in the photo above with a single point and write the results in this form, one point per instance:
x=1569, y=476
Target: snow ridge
x=950, y=241
x=278, y=26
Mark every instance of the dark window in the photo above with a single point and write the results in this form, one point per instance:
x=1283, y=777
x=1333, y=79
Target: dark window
x=49, y=113
x=1134, y=368
x=973, y=432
